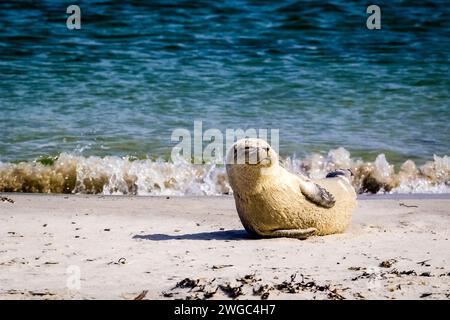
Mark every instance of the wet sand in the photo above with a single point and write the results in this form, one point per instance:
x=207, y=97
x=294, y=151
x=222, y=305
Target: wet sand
x=195, y=248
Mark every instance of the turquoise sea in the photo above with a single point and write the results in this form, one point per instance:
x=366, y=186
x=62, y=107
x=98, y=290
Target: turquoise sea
x=137, y=70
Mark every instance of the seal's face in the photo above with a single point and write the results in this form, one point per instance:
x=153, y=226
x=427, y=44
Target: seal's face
x=249, y=160
x=252, y=153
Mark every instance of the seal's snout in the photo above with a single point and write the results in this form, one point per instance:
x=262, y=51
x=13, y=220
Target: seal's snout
x=255, y=155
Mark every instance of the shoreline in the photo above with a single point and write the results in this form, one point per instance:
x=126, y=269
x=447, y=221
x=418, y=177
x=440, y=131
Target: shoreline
x=396, y=248
x=363, y=196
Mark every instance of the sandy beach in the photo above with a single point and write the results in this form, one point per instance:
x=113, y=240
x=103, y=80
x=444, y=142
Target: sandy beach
x=195, y=248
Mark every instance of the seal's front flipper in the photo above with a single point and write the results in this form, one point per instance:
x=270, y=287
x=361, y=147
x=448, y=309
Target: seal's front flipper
x=291, y=233
x=317, y=194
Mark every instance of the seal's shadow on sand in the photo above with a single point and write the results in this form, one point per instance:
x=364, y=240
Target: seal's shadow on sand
x=215, y=235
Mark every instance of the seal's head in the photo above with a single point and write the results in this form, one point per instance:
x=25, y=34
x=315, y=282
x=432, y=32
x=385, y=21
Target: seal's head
x=250, y=158
x=252, y=152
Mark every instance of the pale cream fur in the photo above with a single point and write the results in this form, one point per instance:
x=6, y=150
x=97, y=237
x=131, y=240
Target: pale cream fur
x=269, y=198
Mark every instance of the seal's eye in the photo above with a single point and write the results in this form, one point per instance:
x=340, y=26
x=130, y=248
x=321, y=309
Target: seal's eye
x=247, y=148
x=235, y=155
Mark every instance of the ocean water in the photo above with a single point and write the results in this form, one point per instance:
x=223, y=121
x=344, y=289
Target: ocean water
x=78, y=106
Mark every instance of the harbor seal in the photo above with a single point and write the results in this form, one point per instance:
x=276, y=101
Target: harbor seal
x=272, y=202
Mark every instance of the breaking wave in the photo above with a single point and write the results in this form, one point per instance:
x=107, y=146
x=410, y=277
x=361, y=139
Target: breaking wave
x=69, y=173
x=379, y=176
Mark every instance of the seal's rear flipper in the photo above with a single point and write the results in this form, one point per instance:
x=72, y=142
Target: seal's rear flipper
x=317, y=194
x=341, y=172
x=291, y=233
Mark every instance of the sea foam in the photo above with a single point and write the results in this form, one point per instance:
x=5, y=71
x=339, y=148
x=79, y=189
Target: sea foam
x=114, y=175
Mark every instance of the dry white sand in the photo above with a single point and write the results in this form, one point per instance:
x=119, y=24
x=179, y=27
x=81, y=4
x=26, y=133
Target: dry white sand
x=124, y=245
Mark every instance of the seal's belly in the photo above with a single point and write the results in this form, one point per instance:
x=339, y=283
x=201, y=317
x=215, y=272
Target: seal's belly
x=274, y=210
x=284, y=208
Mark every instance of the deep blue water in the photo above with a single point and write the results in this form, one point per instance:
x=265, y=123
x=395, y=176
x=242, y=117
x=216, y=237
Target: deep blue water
x=137, y=70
